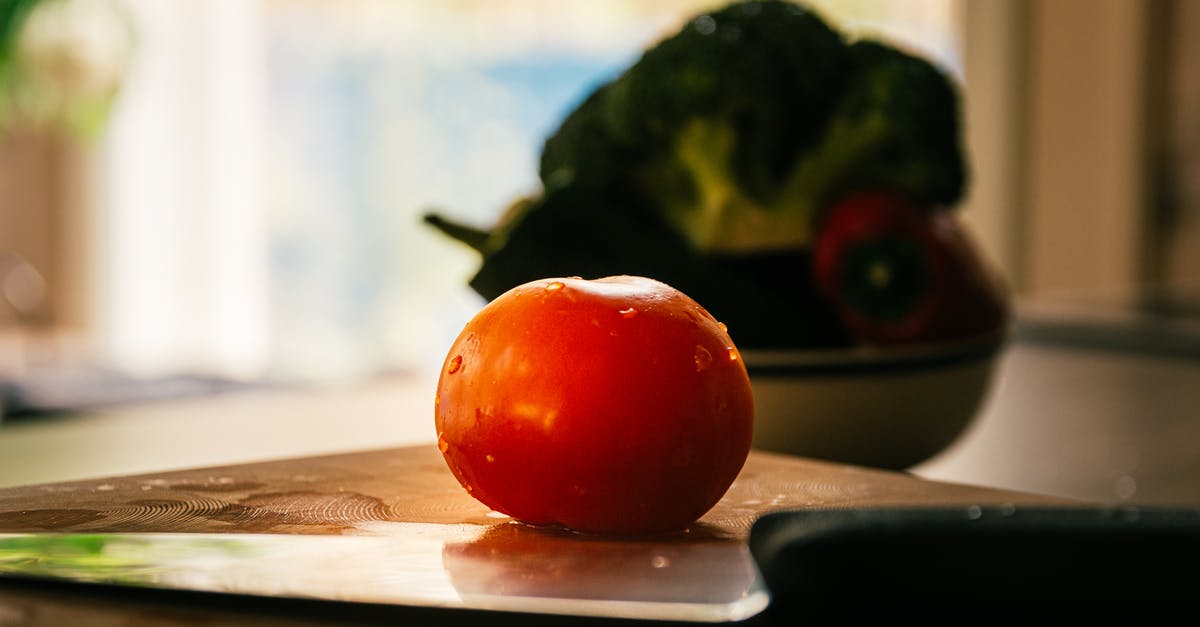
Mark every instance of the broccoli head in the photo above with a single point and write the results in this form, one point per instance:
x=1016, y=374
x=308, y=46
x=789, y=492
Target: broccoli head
x=896, y=127
x=707, y=164
x=708, y=123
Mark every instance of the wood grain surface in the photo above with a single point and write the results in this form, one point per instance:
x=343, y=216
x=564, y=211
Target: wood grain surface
x=346, y=493
x=360, y=493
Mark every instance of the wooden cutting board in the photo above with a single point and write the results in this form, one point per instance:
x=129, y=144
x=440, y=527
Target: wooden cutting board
x=392, y=528
x=343, y=494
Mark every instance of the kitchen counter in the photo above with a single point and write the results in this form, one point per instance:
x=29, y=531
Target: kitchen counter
x=1083, y=422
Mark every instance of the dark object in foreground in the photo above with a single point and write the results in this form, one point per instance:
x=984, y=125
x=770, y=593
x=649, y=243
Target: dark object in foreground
x=978, y=565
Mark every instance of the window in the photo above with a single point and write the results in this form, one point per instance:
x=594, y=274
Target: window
x=259, y=186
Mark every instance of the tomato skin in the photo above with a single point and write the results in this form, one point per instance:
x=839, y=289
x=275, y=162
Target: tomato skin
x=937, y=288
x=610, y=406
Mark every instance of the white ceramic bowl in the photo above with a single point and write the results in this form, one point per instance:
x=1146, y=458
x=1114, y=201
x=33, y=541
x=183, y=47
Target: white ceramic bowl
x=883, y=407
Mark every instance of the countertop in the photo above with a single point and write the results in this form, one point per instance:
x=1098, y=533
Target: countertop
x=1086, y=422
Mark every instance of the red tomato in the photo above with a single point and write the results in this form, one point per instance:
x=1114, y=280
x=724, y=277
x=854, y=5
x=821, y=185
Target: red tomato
x=899, y=273
x=617, y=405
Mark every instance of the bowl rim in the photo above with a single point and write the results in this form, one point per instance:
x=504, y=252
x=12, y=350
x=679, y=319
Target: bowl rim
x=866, y=359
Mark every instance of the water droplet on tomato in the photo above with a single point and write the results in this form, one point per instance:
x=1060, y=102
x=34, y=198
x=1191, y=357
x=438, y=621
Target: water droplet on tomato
x=470, y=488
x=703, y=358
x=732, y=352
x=490, y=458
x=724, y=329
x=443, y=445
x=554, y=286
x=455, y=365
x=628, y=313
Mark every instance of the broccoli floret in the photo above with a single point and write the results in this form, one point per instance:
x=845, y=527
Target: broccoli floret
x=766, y=73
x=896, y=127
x=584, y=151
x=709, y=122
